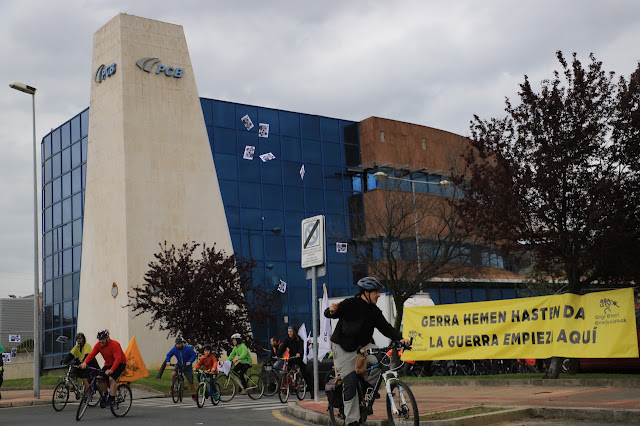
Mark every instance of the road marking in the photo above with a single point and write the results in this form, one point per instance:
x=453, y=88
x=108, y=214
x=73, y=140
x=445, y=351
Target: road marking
x=278, y=415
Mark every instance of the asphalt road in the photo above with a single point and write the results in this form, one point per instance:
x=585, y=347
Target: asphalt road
x=159, y=411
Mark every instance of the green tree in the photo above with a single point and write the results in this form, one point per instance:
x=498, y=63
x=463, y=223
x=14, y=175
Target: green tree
x=557, y=177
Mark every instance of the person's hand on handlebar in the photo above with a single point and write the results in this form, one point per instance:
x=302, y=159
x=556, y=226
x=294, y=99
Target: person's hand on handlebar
x=405, y=342
x=83, y=365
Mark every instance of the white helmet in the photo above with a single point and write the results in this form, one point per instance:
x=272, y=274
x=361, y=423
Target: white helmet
x=236, y=336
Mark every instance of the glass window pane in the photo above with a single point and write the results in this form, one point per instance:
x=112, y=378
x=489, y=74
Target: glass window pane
x=299, y=300
x=274, y=247
x=67, y=315
x=76, y=286
x=289, y=124
x=508, y=293
x=84, y=123
x=293, y=198
x=447, y=296
x=46, y=142
x=293, y=222
x=65, y=135
x=351, y=155
x=335, y=202
x=48, y=342
x=67, y=261
x=66, y=185
x=252, y=112
x=76, y=154
x=47, y=244
x=463, y=295
x=76, y=180
x=67, y=285
x=314, y=200
x=47, y=170
x=57, y=290
x=77, y=232
x=332, y=178
x=85, y=143
x=57, y=190
x=207, y=110
x=75, y=129
x=291, y=149
x=48, y=316
x=227, y=166
x=55, y=141
x=48, y=194
x=273, y=222
x=77, y=206
x=249, y=170
x=479, y=294
x=224, y=141
x=229, y=191
x=330, y=129
x=66, y=210
x=57, y=214
x=56, y=165
x=250, y=195
x=272, y=197
x=311, y=151
x=77, y=254
x=313, y=175
x=224, y=114
x=272, y=171
x=331, y=153
x=294, y=252
x=233, y=216
x=310, y=125
x=494, y=293
x=66, y=236
x=270, y=117
x=66, y=160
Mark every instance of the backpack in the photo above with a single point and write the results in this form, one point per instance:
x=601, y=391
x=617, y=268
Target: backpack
x=333, y=388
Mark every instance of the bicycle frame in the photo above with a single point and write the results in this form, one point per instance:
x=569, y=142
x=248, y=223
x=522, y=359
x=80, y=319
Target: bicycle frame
x=73, y=383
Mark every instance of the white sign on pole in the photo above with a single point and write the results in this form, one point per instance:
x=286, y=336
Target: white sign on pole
x=313, y=243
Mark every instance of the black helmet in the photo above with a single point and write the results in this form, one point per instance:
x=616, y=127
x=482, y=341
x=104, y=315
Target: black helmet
x=369, y=284
x=179, y=339
x=103, y=334
x=207, y=346
x=80, y=336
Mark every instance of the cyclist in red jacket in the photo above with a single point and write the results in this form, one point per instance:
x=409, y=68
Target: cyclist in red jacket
x=115, y=361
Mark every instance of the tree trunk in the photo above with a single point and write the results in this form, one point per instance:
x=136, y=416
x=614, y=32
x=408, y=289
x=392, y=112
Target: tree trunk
x=397, y=323
x=553, y=372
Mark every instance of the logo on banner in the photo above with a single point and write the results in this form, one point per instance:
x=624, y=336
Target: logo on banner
x=607, y=303
x=147, y=64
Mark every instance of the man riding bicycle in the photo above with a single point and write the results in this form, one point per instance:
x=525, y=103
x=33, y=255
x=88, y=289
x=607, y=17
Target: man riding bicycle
x=185, y=355
x=295, y=345
x=244, y=359
x=358, y=317
x=115, y=361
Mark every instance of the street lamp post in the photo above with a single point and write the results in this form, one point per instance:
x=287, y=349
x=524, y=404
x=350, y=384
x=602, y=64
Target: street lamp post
x=444, y=184
x=36, y=288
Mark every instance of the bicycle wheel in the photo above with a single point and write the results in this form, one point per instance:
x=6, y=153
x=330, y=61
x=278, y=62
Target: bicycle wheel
x=301, y=387
x=84, y=403
x=215, y=393
x=404, y=403
x=270, y=380
x=60, y=396
x=227, y=387
x=175, y=390
x=201, y=394
x=283, y=391
x=255, y=387
x=336, y=416
x=123, y=400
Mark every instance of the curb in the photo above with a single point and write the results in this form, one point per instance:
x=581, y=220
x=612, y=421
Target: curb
x=613, y=415
x=12, y=404
x=531, y=382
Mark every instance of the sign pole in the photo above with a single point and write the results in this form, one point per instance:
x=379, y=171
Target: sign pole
x=314, y=319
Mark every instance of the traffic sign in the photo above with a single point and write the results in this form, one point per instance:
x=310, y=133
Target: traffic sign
x=313, y=242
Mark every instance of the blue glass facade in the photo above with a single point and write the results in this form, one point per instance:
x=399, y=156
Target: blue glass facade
x=64, y=159
x=264, y=202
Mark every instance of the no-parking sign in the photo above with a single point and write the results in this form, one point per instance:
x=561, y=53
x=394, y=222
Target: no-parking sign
x=313, y=242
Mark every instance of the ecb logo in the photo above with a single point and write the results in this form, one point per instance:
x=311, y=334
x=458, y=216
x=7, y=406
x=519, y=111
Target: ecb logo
x=146, y=64
x=104, y=72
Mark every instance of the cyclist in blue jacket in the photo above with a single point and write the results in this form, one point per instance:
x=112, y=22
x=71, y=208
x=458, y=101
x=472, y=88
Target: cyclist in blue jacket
x=185, y=356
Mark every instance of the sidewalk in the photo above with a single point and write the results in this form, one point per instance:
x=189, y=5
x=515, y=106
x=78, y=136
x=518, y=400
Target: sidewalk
x=24, y=397
x=611, y=401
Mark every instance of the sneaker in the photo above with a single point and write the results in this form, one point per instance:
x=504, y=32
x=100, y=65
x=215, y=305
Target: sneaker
x=193, y=396
x=111, y=400
x=170, y=390
x=243, y=391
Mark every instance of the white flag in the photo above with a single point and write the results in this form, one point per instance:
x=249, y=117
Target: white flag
x=302, y=332
x=302, y=172
x=263, y=130
x=266, y=157
x=246, y=120
x=324, y=340
x=225, y=367
x=248, y=152
x=282, y=287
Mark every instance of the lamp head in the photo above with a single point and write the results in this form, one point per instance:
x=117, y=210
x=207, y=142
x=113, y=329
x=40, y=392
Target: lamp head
x=380, y=176
x=23, y=88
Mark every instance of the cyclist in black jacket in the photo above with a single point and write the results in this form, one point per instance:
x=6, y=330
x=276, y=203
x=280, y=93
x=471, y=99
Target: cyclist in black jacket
x=294, y=343
x=358, y=317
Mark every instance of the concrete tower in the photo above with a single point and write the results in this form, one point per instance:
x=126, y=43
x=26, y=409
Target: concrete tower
x=150, y=173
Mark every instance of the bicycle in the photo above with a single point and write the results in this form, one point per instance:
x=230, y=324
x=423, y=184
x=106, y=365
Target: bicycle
x=122, y=401
x=65, y=387
x=177, y=388
x=401, y=404
x=204, y=389
x=269, y=378
x=227, y=383
x=291, y=380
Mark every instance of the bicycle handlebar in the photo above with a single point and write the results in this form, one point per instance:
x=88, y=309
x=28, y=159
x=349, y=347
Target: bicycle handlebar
x=287, y=359
x=394, y=345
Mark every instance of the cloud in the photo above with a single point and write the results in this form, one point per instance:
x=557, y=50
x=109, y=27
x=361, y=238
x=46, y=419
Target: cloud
x=432, y=63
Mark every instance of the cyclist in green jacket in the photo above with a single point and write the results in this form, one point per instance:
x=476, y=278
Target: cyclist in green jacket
x=244, y=359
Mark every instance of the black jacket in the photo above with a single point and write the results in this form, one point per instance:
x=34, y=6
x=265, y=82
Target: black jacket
x=357, y=321
x=294, y=344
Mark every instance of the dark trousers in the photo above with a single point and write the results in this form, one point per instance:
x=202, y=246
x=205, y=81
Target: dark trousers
x=241, y=368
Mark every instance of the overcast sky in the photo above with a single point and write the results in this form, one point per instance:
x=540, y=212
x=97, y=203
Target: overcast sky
x=434, y=63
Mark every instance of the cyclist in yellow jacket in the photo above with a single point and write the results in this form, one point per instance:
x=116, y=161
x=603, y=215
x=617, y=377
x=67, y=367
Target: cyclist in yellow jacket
x=78, y=354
